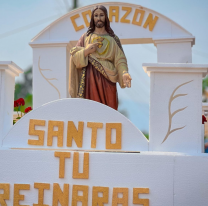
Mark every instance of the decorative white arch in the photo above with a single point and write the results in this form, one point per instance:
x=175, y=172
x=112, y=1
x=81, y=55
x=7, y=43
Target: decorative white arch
x=33, y=150
x=64, y=28
x=133, y=24
x=83, y=114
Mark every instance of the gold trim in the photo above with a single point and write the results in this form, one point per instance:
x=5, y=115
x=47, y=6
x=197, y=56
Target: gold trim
x=137, y=41
x=98, y=66
x=117, y=40
x=172, y=97
x=47, y=79
x=82, y=84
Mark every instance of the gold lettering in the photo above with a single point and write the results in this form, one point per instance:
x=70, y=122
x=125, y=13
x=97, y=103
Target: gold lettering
x=151, y=22
x=52, y=133
x=117, y=200
x=128, y=11
x=39, y=133
x=17, y=196
x=76, y=198
x=76, y=174
x=109, y=127
x=77, y=28
x=77, y=135
x=137, y=200
x=94, y=126
x=59, y=196
x=99, y=201
x=114, y=11
x=134, y=21
x=84, y=15
x=62, y=156
x=41, y=187
x=5, y=195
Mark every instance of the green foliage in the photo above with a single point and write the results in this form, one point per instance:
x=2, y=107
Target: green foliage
x=204, y=84
x=28, y=102
x=146, y=135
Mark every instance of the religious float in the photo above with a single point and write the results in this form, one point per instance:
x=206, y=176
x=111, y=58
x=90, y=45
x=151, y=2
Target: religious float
x=72, y=151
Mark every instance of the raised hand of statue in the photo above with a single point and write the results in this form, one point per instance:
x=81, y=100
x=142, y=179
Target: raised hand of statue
x=91, y=48
x=127, y=80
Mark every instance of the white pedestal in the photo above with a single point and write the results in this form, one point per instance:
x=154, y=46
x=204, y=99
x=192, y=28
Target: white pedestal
x=175, y=50
x=50, y=72
x=175, y=106
x=8, y=71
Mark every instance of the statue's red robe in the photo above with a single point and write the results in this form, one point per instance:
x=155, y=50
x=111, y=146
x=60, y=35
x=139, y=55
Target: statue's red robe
x=96, y=82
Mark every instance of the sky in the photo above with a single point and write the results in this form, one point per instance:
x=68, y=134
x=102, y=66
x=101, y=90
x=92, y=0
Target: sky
x=21, y=20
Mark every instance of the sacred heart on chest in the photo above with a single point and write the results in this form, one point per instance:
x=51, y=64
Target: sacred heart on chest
x=100, y=41
x=103, y=45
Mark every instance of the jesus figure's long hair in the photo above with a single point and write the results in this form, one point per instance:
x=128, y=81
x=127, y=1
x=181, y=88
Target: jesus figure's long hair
x=91, y=28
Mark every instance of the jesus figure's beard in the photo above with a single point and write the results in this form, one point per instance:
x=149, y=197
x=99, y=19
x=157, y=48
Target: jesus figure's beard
x=100, y=24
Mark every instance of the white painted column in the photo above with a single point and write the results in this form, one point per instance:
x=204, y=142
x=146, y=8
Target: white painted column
x=176, y=50
x=50, y=72
x=175, y=106
x=8, y=71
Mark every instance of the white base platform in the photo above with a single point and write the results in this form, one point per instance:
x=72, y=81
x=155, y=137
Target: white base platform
x=173, y=179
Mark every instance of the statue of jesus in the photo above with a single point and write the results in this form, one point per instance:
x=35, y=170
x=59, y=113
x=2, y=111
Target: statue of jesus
x=98, y=62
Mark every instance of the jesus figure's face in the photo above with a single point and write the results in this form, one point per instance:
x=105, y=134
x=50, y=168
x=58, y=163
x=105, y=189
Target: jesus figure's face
x=99, y=18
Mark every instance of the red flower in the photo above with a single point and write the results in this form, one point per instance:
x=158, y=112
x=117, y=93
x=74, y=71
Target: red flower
x=28, y=109
x=21, y=102
x=16, y=103
x=204, y=119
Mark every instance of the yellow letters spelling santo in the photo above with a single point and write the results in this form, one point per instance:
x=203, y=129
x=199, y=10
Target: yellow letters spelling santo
x=55, y=130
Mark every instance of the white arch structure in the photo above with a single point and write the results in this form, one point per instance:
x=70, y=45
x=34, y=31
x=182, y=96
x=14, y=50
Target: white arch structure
x=175, y=83
x=45, y=149
x=51, y=46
